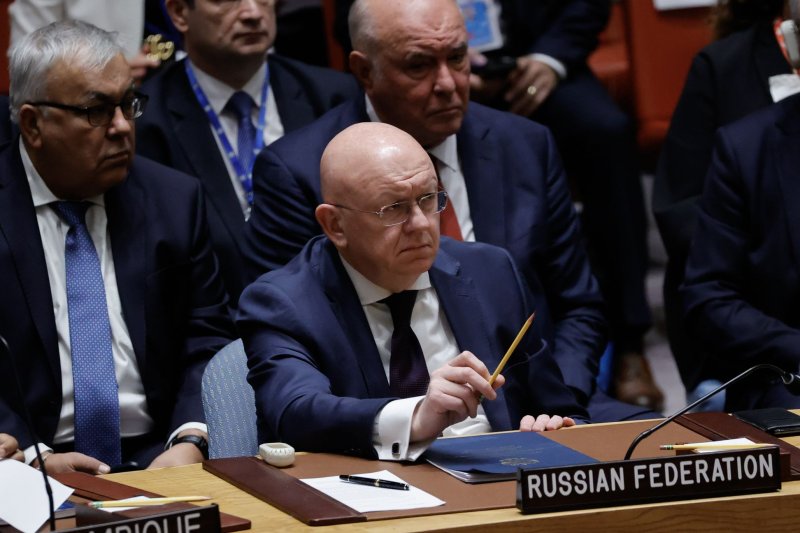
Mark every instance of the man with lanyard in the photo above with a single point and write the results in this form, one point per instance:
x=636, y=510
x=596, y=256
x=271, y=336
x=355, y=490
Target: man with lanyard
x=216, y=109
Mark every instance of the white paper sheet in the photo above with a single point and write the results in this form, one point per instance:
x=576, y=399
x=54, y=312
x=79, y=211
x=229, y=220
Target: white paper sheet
x=663, y=5
x=365, y=499
x=23, y=499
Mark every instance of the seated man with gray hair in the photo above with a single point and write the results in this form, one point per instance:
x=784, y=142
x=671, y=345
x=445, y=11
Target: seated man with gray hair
x=112, y=302
x=374, y=340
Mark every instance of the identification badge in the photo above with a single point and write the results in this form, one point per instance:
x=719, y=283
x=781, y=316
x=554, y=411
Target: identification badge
x=482, y=18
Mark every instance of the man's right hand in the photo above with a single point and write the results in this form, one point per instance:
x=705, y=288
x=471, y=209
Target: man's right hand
x=9, y=448
x=58, y=463
x=453, y=395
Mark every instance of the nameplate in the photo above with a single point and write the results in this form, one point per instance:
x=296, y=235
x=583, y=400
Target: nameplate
x=199, y=519
x=701, y=475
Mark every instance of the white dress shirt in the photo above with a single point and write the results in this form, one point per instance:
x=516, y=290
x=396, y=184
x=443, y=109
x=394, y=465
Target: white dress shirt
x=134, y=419
x=392, y=430
x=449, y=168
x=218, y=94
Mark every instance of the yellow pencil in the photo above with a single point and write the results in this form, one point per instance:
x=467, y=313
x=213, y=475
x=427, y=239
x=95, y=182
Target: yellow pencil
x=511, y=348
x=146, y=502
x=713, y=446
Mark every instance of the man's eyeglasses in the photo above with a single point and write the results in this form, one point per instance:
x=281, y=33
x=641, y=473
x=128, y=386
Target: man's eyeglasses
x=399, y=212
x=102, y=114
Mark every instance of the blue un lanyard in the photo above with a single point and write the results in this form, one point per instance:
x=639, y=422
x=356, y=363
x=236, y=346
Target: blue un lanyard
x=245, y=175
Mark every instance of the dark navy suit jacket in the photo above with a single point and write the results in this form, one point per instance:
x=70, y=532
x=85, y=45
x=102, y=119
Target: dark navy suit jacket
x=728, y=80
x=518, y=200
x=564, y=29
x=175, y=132
x=318, y=378
x=742, y=285
x=172, y=297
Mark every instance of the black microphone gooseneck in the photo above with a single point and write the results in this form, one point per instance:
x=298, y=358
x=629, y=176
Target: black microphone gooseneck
x=792, y=381
x=31, y=433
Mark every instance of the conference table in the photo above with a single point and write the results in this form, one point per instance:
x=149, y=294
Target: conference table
x=772, y=511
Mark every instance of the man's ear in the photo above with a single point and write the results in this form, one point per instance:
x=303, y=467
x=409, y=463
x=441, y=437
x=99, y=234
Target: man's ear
x=176, y=9
x=361, y=67
x=328, y=218
x=30, y=122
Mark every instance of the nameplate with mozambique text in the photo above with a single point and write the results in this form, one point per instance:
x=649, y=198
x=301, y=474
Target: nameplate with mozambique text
x=199, y=519
x=701, y=475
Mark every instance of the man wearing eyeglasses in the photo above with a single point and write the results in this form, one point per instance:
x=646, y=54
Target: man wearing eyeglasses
x=111, y=298
x=502, y=172
x=374, y=340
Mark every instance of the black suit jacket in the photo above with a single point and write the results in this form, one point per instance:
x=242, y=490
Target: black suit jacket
x=743, y=276
x=175, y=132
x=728, y=80
x=173, y=301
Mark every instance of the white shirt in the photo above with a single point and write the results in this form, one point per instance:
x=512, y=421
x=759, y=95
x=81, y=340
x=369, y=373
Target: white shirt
x=134, y=419
x=218, y=94
x=392, y=428
x=125, y=17
x=449, y=168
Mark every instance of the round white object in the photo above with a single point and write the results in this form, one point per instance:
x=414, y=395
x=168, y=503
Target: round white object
x=277, y=453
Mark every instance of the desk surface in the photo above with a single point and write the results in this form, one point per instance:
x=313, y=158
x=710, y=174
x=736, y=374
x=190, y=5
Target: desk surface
x=771, y=511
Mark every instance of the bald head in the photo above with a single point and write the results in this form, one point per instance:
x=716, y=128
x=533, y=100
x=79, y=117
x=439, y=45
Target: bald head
x=411, y=59
x=380, y=192
x=364, y=152
x=370, y=22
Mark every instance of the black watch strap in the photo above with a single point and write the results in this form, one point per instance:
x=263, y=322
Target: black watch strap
x=197, y=440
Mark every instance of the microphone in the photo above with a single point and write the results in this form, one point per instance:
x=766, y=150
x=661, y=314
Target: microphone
x=31, y=433
x=791, y=381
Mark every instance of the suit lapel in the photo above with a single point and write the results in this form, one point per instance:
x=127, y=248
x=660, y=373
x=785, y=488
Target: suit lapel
x=767, y=56
x=484, y=183
x=464, y=313
x=201, y=151
x=787, y=160
x=125, y=208
x=293, y=106
x=350, y=314
x=21, y=230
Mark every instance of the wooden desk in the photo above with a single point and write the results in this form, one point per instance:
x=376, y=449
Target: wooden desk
x=770, y=512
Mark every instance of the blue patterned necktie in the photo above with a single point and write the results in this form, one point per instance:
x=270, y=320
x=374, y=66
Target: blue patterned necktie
x=95, y=384
x=408, y=373
x=241, y=104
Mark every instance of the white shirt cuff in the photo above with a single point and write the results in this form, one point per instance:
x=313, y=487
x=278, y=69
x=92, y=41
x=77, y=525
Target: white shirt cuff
x=187, y=425
x=30, y=452
x=551, y=62
x=392, y=431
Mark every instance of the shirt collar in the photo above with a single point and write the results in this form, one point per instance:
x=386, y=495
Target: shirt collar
x=40, y=192
x=218, y=93
x=446, y=151
x=369, y=293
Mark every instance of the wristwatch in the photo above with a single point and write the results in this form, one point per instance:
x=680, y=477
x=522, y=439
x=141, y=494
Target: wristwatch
x=197, y=440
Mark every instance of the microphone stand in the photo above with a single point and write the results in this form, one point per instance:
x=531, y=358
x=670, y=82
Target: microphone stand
x=32, y=434
x=786, y=377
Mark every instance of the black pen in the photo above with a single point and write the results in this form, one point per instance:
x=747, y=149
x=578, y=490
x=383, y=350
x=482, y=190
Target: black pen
x=380, y=483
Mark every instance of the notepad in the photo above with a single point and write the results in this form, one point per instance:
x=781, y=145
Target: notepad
x=498, y=456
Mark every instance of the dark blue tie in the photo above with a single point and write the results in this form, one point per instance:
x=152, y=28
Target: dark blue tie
x=242, y=106
x=408, y=373
x=96, y=392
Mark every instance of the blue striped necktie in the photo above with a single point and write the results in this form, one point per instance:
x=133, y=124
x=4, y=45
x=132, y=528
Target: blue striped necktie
x=241, y=104
x=96, y=392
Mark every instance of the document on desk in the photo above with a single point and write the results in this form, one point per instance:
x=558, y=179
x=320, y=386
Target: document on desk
x=498, y=456
x=365, y=499
x=23, y=499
